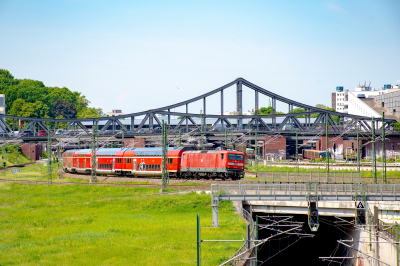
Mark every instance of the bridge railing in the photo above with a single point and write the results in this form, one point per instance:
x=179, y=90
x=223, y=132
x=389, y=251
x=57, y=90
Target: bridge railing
x=300, y=192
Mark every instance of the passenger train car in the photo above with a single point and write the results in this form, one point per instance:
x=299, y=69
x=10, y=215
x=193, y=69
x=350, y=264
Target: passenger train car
x=142, y=162
x=314, y=154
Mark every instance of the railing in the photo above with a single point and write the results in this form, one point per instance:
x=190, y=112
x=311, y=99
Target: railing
x=304, y=177
x=300, y=192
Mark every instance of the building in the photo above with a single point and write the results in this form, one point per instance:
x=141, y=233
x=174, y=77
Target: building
x=367, y=101
x=390, y=100
x=2, y=104
x=339, y=100
x=115, y=113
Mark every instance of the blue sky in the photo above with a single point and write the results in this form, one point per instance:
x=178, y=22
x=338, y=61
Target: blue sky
x=138, y=55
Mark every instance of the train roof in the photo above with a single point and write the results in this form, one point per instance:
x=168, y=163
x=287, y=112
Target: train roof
x=213, y=151
x=160, y=149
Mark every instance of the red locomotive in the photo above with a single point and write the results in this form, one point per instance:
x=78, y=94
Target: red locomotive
x=147, y=162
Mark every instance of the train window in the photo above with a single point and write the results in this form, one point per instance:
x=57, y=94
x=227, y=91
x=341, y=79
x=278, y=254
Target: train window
x=183, y=157
x=169, y=160
x=153, y=167
x=222, y=156
x=231, y=156
x=239, y=157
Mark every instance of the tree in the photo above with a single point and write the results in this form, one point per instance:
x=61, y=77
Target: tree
x=31, y=98
x=321, y=106
x=90, y=113
x=397, y=126
x=299, y=110
x=264, y=111
x=65, y=109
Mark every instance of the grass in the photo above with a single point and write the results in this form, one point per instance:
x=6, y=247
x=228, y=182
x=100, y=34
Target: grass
x=38, y=172
x=365, y=174
x=14, y=156
x=103, y=225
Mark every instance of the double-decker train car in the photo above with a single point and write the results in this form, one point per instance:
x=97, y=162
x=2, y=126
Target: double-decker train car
x=142, y=162
x=313, y=154
x=212, y=164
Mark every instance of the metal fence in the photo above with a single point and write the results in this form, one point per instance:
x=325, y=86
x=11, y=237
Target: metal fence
x=378, y=192
x=304, y=177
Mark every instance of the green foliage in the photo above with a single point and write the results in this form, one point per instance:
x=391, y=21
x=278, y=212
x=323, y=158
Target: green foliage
x=266, y=111
x=91, y=112
x=64, y=109
x=31, y=98
x=299, y=110
x=110, y=225
x=14, y=155
x=321, y=106
x=397, y=126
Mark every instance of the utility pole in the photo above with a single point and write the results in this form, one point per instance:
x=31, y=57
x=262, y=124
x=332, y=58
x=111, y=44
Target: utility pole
x=383, y=150
x=94, y=150
x=297, y=151
x=232, y=138
x=180, y=138
x=327, y=145
x=164, y=171
x=49, y=163
x=198, y=241
x=226, y=138
x=358, y=147
x=255, y=153
x=122, y=140
x=373, y=153
x=4, y=155
x=397, y=245
x=202, y=133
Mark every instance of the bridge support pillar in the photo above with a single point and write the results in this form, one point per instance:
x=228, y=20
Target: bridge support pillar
x=239, y=103
x=215, y=206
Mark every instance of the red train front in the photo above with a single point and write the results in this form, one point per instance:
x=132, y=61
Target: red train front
x=212, y=164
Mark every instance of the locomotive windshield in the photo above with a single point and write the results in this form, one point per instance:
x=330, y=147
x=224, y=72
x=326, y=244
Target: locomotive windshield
x=231, y=156
x=239, y=157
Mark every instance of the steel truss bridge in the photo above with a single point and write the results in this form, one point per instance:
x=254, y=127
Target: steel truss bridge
x=267, y=124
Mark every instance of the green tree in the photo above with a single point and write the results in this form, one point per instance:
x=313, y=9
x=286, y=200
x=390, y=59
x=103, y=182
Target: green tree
x=264, y=111
x=299, y=110
x=65, y=109
x=321, y=106
x=90, y=113
x=31, y=98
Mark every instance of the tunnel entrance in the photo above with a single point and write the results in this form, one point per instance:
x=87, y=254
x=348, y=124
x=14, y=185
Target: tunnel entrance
x=295, y=249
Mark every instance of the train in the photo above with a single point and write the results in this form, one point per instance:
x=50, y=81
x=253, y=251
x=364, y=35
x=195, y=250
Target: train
x=146, y=162
x=314, y=154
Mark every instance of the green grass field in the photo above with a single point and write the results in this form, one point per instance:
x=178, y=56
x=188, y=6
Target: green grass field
x=108, y=225
x=366, y=174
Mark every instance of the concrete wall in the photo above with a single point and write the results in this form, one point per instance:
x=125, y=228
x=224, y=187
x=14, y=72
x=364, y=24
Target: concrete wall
x=385, y=252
